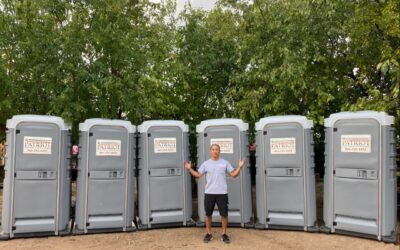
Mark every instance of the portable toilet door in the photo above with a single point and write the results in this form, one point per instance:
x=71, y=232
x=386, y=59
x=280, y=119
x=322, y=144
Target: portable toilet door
x=36, y=195
x=360, y=175
x=285, y=178
x=231, y=136
x=165, y=194
x=106, y=181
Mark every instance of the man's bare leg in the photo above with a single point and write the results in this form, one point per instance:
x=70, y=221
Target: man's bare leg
x=224, y=223
x=208, y=224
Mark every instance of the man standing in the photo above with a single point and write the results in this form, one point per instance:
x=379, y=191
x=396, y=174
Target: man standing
x=216, y=191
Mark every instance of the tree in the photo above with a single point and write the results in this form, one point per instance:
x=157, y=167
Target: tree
x=135, y=60
x=83, y=59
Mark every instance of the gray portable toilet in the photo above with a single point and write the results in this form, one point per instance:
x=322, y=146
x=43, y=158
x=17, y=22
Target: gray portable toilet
x=360, y=175
x=231, y=136
x=36, y=195
x=285, y=179
x=106, y=177
x=164, y=189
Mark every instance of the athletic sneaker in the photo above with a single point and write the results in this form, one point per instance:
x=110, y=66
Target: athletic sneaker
x=225, y=239
x=207, y=238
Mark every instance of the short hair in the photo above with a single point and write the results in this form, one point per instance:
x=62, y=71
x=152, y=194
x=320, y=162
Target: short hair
x=214, y=144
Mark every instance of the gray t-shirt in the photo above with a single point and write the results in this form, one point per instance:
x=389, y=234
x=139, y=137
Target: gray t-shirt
x=216, y=175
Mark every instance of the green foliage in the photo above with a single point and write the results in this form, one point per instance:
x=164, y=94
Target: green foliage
x=138, y=60
x=83, y=59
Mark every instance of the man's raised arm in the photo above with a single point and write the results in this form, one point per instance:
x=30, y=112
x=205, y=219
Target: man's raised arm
x=188, y=166
x=236, y=172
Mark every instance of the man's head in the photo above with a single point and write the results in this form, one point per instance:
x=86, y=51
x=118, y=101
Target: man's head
x=215, y=151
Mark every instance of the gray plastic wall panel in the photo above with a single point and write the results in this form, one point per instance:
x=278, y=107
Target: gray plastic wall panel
x=201, y=157
x=247, y=216
x=311, y=200
x=143, y=180
x=260, y=182
x=81, y=181
x=130, y=212
x=328, y=188
x=389, y=182
x=188, y=181
x=6, y=219
x=65, y=182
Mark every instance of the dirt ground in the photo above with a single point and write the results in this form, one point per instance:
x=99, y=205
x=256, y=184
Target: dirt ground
x=192, y=238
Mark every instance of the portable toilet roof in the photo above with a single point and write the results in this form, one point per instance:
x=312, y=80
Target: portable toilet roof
x=87, y=124
x=284, y=118
x=221, y=122
x=16, y=119
x=383, y=118
x=144, y=127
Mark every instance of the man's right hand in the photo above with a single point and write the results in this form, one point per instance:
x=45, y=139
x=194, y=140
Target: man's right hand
x=188, y=165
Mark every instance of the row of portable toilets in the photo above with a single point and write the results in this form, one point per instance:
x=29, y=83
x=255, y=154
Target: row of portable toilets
x=359, y=183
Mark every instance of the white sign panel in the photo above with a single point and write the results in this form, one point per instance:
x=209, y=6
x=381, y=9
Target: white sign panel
x=108, y=147
x=225, y=144
x=355, y=144
x=164, y=145
x=283, y=146
x=37, y=145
